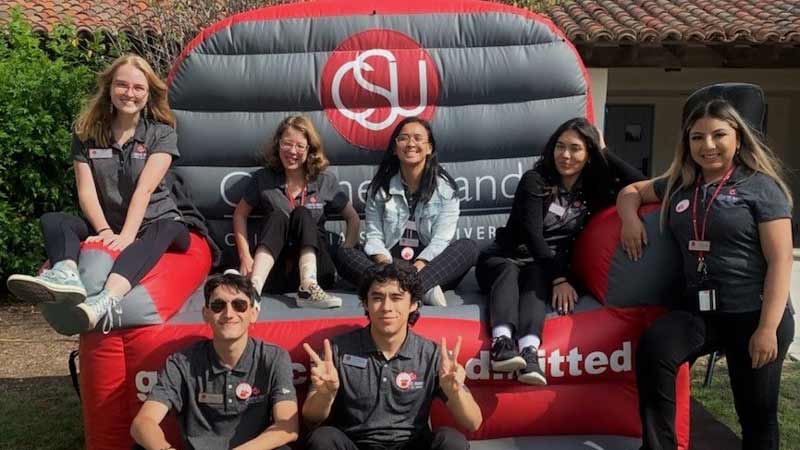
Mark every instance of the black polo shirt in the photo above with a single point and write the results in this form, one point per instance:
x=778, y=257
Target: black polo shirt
x=219, y=407
x=380, y=402
x=266, y=191
x=116, y=171
x=735, y=264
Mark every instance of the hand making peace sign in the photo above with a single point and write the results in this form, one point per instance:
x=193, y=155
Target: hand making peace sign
x=324, y=377
x=451, y=373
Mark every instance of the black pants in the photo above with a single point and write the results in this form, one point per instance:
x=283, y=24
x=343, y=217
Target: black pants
x=332, y=438
x=284, y=237
x=518, y=294
x=445, y=270
x=682, y=336
x=63, y=234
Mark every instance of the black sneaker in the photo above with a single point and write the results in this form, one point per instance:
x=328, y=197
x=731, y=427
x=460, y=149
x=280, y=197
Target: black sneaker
x=531, y=373
x=505, y=357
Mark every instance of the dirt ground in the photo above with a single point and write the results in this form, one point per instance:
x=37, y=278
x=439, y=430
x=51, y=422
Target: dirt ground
x=28, y=346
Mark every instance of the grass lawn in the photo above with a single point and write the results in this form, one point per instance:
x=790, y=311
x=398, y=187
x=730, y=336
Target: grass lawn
x=718, y=400
x=41, y=413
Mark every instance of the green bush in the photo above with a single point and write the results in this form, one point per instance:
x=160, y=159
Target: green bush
x=42, y=84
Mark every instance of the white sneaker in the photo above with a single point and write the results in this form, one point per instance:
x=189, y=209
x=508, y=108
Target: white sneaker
x=434, y=297
x=102, y=305
x=315, y=297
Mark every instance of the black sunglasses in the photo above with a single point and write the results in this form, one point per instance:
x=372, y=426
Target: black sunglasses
x=239, y=305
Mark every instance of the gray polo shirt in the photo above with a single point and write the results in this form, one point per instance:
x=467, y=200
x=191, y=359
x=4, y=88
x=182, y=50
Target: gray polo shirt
x=219, y=407
x=735, y=264
x=266, y=191
x=380, y=402
x=116, y=171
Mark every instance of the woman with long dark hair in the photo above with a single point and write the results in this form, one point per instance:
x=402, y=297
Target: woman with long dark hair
x=527, y=266
x=411, y=213
x=728, y=207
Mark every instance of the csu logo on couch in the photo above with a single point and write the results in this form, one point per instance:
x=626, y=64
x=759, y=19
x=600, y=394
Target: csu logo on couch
x=373, y=80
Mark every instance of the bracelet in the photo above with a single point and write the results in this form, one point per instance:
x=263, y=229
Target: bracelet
x=98, y=232
x=168, y=448
x=560, y=282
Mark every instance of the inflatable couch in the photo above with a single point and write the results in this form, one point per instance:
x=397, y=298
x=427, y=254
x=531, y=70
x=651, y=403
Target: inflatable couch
x=494, y=81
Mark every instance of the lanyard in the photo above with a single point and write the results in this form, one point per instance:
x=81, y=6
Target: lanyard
x=291, y=198
x=700, y=236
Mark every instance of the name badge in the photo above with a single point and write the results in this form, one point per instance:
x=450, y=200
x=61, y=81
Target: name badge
x=100, y=153
x=699, y=246
x=557, y=209
x=707, y=299
x=409, y=242
x=314, y=205
x=355, y=361
x=211, y=399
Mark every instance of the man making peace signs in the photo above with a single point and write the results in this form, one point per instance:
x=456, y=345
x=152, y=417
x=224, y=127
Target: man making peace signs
x=374, y=385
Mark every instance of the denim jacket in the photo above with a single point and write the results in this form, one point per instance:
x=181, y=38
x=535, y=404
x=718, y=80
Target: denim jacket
x=386, y=217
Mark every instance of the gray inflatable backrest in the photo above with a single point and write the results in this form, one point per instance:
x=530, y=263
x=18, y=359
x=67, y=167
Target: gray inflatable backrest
x=493, y=80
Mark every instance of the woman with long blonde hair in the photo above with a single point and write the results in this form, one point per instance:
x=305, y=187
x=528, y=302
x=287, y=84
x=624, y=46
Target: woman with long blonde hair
x=729, y=209
x=124, y=142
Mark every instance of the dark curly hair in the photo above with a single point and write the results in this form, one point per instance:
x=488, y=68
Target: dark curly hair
x=231, y=281
x=406, y=276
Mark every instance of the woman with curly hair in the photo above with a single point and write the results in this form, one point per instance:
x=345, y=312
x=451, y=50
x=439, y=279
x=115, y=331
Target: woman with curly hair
x=295, y=194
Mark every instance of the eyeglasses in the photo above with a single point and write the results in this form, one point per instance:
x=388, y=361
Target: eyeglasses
x=288, y=146
x=239, y=305
x=404, y=139
x=561, y=148
x=121, y=88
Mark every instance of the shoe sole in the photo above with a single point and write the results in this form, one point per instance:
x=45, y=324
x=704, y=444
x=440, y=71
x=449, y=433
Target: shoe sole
x=37, y=291
x=533, y=378
x=508, y=365
x=66, y=319
x=318, y=305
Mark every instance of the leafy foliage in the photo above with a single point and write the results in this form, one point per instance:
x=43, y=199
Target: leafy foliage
x=42, y=85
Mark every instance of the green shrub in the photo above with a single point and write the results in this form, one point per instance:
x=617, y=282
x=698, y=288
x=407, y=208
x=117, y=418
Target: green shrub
x=42, y=85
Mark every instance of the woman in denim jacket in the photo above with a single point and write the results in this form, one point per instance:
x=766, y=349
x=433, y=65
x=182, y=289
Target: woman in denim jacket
x=411, y=213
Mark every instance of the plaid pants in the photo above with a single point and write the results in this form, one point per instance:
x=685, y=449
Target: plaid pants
x=446, y=270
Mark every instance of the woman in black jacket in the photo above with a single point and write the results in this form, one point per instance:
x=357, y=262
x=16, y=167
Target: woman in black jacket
x=528, y=263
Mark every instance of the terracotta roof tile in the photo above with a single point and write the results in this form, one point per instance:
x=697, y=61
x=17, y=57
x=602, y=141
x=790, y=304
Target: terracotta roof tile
x=706, y=21
x=612, y=21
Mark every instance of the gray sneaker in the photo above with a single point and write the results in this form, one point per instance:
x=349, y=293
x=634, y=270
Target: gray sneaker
x=61, y=284
x=434, y=297
x=315, y=297
x=101, y=306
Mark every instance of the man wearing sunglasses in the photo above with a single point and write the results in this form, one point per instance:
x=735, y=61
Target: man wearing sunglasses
x=230, y=392
x=374, y=386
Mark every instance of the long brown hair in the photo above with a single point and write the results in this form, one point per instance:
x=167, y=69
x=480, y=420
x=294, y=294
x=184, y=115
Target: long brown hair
x=752, y=152
x=94, y=120
x=316, y=162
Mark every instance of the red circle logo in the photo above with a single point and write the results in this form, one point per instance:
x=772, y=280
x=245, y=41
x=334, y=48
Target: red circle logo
x=372, y=81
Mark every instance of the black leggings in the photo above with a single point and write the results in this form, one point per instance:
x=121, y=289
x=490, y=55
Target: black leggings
x=332, y=438
x=284, y=237
x=63, y=234
x=681, y=336
x=445, y=270
x=518, y=294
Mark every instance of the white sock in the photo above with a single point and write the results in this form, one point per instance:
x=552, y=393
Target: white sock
x=307, y=266
x=262, y=265
x=501, y=330
x=529, y=340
